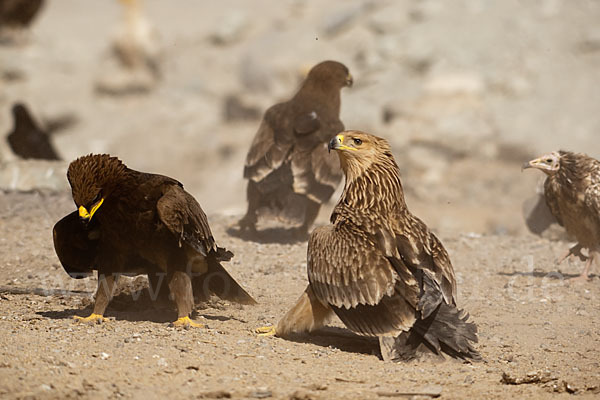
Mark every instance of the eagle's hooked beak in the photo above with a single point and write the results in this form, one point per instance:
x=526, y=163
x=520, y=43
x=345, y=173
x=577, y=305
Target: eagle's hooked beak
x=86, y=216
x=349, y=80
x=334, y=143
x=337, y=143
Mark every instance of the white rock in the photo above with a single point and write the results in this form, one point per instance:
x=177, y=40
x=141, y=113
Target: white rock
x=455, y=83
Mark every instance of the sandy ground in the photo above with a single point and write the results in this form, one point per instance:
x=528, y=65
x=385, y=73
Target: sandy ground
x=465, y=94
x=532, y=323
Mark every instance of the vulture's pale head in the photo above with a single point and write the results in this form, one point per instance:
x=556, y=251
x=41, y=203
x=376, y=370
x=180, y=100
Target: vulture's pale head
x=548, y=163
x=358, y=151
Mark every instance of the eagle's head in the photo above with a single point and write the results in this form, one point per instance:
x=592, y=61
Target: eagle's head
x=358, y=151
x=329, y=74
x=93, y=178
x=548, y=163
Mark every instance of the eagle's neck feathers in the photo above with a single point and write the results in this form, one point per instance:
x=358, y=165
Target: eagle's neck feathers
x=372, y=189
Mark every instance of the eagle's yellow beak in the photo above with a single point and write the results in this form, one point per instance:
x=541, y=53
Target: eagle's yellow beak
x=337, y=143
x=87, y=216
x=349, y=80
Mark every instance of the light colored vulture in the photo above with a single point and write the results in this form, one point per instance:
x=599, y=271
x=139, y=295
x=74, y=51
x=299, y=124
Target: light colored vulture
x=572, y=192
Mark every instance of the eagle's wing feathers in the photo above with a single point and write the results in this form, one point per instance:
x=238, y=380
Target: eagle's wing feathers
x=76, y=245
x=316, y=172
x=350, y=274
x=271, y=145
x=326, y=166
x=422, y=253
x=184, y=217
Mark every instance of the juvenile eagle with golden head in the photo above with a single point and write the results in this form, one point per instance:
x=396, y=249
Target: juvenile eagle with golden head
x=378, y=267
x=572, y=192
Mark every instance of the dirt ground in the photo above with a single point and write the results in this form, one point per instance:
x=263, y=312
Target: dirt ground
x=464, y=93
x=533, y=324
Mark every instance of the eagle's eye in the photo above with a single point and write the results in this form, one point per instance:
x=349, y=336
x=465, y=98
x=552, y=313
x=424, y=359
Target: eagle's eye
x=548, y=160
x=357, y=141
x=97, y=198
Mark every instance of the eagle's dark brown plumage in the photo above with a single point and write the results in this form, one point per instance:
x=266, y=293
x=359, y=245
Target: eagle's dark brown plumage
x=287, y=166
x=140, y=223
x=27, y=139
x=378, y=267
x=572, y=192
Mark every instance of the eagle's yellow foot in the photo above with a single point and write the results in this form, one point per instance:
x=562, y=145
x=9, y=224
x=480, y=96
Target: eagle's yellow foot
x=266, y=331
x=186, y=322
x=92, y=319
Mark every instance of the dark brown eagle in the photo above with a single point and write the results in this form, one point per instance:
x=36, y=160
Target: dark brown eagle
x=27, y=138
x=288, y=168
x=572, y=192
x=378, y=267
x=130, y=222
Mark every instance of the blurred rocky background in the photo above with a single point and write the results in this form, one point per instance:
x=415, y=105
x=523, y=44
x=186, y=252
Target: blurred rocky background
x=465, y=91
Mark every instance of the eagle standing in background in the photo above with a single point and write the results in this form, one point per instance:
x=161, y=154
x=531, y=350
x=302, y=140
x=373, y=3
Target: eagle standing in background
x=288, y=157
x=378, y=267
x=572, y=192
x=138, y=223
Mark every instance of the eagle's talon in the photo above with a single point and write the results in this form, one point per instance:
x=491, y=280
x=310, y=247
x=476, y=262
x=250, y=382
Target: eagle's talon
x=91, y=319
x=266, y=331
x=186, y=323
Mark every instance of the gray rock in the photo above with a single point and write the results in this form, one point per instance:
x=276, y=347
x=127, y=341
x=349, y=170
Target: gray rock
x=27, y=175
x=591, y=42
x=341, y=20
x=255, y=75
x=234, y=109
x=230, y=29
x=455, y=83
